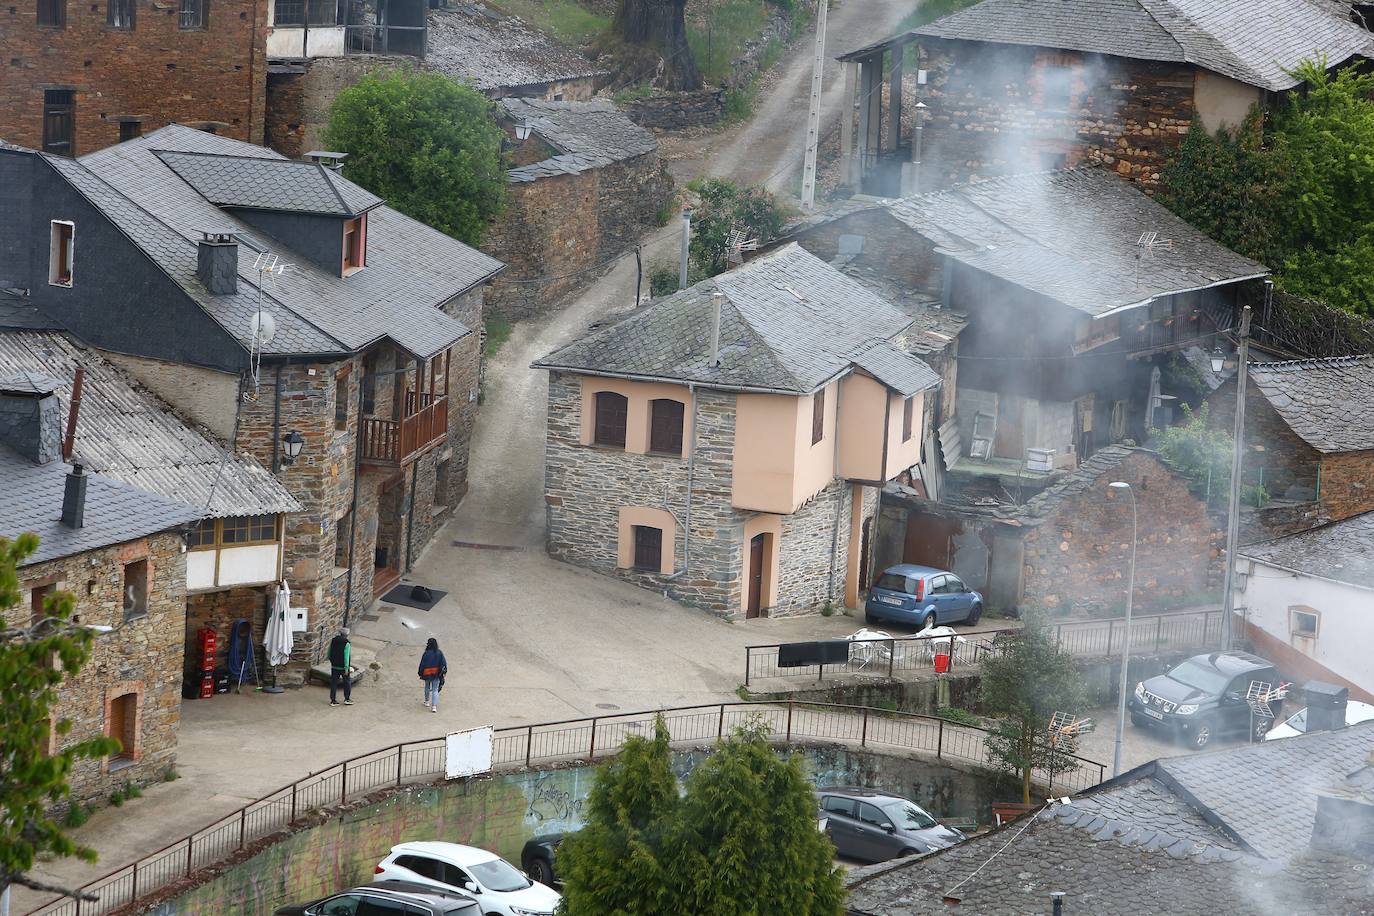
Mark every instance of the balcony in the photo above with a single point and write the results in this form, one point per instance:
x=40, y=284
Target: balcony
x=392, y=443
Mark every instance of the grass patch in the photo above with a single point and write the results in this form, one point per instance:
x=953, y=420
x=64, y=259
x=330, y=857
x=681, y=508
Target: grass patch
x=957, y=716
x=566, y=20
x=76, y=815
x=739, y=104
x=171, y=775
x=643, y=90
x=498, y=332
x=719, y=37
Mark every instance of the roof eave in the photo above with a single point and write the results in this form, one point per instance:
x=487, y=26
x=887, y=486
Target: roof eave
x=1116, y=310
x=695, y=383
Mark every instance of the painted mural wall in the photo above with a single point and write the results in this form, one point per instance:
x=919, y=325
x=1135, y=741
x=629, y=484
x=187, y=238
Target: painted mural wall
x=502, y=812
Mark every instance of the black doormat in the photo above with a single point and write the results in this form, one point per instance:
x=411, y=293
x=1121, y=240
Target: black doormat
x=401, y=594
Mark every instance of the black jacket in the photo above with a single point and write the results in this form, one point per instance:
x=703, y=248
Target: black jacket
x=433, y=660
x=338, y=649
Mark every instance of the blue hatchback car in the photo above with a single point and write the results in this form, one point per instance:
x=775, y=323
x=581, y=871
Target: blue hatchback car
x=921, y=596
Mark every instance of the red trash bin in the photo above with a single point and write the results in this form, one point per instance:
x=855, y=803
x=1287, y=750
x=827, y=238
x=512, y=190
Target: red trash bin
x=941, y=662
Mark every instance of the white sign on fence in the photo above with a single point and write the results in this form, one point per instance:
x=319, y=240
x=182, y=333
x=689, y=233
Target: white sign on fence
x=468, y=753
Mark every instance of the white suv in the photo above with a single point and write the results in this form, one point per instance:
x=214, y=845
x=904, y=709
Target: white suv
x=498, y=887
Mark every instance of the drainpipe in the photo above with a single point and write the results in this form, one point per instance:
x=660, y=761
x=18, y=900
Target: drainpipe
x=691, y=477
x=839, y=497
x=410, y=514
x=276, y=424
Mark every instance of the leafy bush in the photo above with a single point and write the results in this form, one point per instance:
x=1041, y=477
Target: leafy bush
x=77, y=814
x=958, y=716
x=725, y=206
x=1200, y=454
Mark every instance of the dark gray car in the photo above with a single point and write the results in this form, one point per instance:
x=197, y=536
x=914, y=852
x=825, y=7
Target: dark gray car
x=386, y=898
x=874, y=827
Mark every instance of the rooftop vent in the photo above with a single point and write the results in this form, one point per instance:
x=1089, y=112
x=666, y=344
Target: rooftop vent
x=331, y=161
x=217, y=262
x=74, y=498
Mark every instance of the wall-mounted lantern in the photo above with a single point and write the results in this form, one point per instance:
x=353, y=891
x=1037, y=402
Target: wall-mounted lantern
x=292, y=443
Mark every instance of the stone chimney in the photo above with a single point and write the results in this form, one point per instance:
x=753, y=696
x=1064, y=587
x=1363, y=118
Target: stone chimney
x=30, y=417
x=74, y=498
x=217, y=262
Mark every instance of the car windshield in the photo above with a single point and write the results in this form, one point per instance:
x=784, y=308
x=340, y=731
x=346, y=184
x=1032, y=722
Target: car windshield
x=1208, y=680
x=907, y=816
x=499, y=875
x=894, y=582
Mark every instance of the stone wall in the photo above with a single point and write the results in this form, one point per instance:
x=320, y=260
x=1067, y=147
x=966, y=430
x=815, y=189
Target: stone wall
x=1082, y=551
x=812, y=553
x=1287, y=460
x=677, y=110
x=143, y=656
x=1347, y=484
x=154, y=73
x=990, y=112
x=218, y=610
x=298, y=103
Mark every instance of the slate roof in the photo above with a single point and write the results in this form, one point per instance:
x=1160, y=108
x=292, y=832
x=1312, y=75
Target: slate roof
x=31, y=500
x=1343, y=551
x=1072, y=235
x=127, y=434
x=1255, y=42
x=494, y=51
x=411, y=268
x=252, y=182
x=1329, y=403
x=587, y=135
x=1044, y=504
x=789, y=324
x=1220, y=832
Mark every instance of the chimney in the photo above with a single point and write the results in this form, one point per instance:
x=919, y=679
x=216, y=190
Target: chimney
x=715, y=328
x=74, y=498
x=217, y=262
x=1345, y=816
x=1325, y=706
x=331, y=161
x=30, y=417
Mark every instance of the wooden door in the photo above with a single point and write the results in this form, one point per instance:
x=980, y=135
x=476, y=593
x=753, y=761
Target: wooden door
x=1010, y=436
x=755, y=576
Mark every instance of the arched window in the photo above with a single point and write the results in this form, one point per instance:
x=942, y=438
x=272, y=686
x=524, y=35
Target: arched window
x=611, y=409
x=665, y=426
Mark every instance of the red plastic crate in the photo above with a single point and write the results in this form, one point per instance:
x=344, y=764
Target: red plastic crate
x=207, y=686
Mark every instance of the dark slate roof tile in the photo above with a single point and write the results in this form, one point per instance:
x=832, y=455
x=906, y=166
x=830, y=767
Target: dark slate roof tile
x=587, y=135
x=491, y=50
x=1343, y=551
x=253, y=182
x=1329, y=403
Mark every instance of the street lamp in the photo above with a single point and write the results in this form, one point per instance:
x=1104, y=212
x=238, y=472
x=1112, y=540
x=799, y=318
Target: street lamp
x=1126, y=644
x=292, y=443
x=1218, y=360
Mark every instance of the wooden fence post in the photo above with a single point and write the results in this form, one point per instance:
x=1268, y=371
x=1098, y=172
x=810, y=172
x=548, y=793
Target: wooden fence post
x=400, y=756
x=591, y=753
x=789, y=721
x=720, y=726
x=863, y=735
x=243, y=826
x=940, y=740
x=190, y=849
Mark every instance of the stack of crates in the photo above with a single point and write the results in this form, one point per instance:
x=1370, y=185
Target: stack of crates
x=208, y=641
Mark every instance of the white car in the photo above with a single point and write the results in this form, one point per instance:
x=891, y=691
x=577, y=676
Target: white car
x=499, y=888
x=1296, y=724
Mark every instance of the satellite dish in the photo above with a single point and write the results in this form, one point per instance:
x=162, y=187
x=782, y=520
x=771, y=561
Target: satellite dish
x=262, y=328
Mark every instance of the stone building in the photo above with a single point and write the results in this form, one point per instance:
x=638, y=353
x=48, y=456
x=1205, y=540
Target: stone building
x=1309, y=432
x=77, y=77
x=726, y=444
x=1025, y=85
x=119, y=551
x=285, y=309
x=585, y=186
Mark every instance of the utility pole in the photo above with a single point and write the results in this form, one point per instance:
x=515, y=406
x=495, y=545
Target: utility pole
x=813, y=121
x=686, y=246
x=1237, y=455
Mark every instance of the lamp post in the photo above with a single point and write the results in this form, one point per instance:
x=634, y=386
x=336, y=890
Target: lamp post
x=1126, y=643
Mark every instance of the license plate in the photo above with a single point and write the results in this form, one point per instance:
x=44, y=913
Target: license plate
x=1154, y=714
x=886, y=600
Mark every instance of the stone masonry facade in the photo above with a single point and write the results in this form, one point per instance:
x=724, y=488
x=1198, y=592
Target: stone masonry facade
x=149, y=75
x=991, y=112
x=585, y=487
x=1082, y=550
x=141, y=658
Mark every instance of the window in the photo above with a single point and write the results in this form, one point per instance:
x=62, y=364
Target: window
x=872, y=814
x=61, y=252
x=665, y=426
x=838, y=804
x=341, y=400
x=52, y=14
x=648, y=548
x=122, y=725
x=354, y=243
x=1303, y=620
x=129, y=130
x=248, y=529
x=202, y=535
x=38, y=597
x=59, y=122
x=1055, y=75
x=611, y=410
x=135, y=589
x=194, y=14
x=119, y=14
x=342, y=905
x=908, y=409
x=818, y=416
x=343, y=531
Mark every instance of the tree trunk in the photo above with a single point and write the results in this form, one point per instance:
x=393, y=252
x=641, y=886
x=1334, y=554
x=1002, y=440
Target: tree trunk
x=661, y=24
x=1025, y=786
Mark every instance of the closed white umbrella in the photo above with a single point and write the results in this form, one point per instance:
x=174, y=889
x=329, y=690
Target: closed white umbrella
x=278, y=640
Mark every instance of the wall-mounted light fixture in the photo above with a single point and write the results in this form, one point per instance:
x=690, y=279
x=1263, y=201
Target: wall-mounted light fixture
x=1218, y=359
x=522, y=130
x=291, y=444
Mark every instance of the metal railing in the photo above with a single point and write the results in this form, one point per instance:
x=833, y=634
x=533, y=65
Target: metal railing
x=901, y=655
x=524, y=745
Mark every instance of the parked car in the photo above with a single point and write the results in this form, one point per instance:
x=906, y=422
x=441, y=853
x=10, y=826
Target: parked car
x=387, y=898
x=1203, y=698
x=499, y=888
x=875, y=827
x=1296, y=724
x=537, y=858
x=921, y=596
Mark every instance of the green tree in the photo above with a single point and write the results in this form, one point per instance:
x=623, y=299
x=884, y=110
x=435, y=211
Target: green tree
x=427, y=144
x=725, y=206
x=742, y=839
x=1022, y=686
x=34, y=660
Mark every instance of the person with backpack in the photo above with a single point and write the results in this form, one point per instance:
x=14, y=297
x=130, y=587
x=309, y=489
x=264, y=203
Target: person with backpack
x=433, y=669
x=340, y=658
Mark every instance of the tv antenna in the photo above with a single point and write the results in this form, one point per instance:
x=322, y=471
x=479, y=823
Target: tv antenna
x=736, y=245
x=262, y=327
x=1066, y=727
x=1260, y=696
x=1147, y=244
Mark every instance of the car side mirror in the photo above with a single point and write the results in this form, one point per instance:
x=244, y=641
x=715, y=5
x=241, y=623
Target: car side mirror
x=471, y=888
x=889, y=828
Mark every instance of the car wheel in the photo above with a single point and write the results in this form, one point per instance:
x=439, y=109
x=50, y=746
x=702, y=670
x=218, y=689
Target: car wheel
x=927, y=620
x=1203, y=734
x=975, y=614
x=869, y=618
x=541, y=870
x=906, y=852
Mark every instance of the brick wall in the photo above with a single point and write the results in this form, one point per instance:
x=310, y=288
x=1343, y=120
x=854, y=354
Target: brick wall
x=989, y=112
x=218, y=610
x=154, y=73
x=1083, y=550
x=284, y=128
x=1347, y=484
x=143, y=656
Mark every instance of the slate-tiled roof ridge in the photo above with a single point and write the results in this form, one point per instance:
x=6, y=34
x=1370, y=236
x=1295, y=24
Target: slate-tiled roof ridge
x=1327, y=402
x=1042, y=505
x=263, y=183
x=1342, y=551
x=587, y=135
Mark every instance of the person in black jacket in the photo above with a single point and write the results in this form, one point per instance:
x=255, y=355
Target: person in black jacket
x=433, y=668
x=340, y=657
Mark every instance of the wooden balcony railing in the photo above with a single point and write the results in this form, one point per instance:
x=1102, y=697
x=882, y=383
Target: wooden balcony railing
x=395, y=442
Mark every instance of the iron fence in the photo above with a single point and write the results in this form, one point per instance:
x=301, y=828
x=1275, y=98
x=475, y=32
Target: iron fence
x=898, y=655
x=586, y=739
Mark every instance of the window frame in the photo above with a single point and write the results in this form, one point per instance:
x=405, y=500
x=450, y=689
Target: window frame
x=61, y=253
x=130, y=129
x=141, y=571
x=616, y=430
x=818, y=417
x=1298, y=611
x=201, y=21
x=130, y=8
x=218, y=541
x=908, y=416
x=58, y=14
x=354, y=244
x=130, y=719
x=882, y=824
x=341, y=399
x=676, y=436
x=636, y=563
